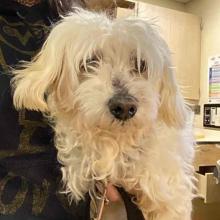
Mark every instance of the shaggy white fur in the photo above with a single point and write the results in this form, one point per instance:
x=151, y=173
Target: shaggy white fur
x=85, y=61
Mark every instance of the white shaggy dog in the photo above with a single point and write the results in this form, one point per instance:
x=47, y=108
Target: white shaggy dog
x=110, y=92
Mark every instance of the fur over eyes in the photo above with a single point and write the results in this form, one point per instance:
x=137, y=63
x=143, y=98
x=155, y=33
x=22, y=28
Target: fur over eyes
x=86, y=60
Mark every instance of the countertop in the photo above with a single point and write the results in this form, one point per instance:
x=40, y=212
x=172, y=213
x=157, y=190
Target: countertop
x=206, y=135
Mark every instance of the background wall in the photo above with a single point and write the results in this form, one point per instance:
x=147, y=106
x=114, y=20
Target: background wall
x=167, y=4
x=210, y=40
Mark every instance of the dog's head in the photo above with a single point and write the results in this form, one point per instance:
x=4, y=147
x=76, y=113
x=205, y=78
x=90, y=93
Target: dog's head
x=110, y=72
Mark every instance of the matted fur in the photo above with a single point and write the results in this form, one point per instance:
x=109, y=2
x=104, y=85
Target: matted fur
x=150, y=155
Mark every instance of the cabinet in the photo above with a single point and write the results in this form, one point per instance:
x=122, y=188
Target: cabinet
x=206, y=156
x=207, y=206
x=182, y=33
x=125, y=12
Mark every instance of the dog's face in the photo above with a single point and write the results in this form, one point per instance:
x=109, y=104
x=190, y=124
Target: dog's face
x=111, y=74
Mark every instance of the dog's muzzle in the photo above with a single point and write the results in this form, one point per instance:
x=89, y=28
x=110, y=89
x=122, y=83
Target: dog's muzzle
x=122, y=107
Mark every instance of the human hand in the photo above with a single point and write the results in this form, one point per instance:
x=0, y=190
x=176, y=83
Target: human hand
x=112, y=193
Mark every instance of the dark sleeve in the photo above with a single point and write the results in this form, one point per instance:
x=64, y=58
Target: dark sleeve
x=133, y=212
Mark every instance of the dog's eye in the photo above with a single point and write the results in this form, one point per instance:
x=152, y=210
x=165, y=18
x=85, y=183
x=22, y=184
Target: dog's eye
x=90, y=64
x=140, y=67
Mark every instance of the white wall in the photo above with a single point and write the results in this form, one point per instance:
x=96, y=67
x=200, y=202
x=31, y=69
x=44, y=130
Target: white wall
x=167, y=4
x=209, y=10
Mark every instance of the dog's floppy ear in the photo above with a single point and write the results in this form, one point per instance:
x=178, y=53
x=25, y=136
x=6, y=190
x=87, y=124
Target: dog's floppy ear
x=172, y=110
x=49, y=73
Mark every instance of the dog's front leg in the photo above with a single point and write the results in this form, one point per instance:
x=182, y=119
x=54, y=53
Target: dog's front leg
x=172, y=213
x=169, y=216
x=175, y=208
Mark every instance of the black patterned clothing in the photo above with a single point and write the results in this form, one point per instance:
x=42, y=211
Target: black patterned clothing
x=29, y=171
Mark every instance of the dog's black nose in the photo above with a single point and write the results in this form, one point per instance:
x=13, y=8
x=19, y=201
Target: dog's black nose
x=122, y=107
